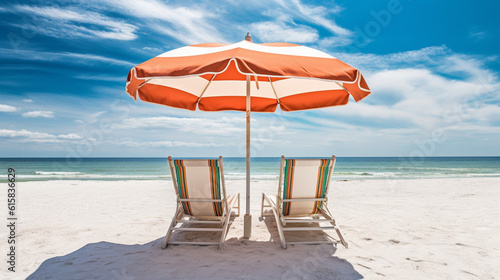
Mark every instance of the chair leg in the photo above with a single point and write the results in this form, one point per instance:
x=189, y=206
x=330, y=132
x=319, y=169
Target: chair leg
x=277, y=219
x=224, y=232
x=280, y=231
x=170, y=229
x=227, y=220
x=236, y=203
x=327, y=214
x=262, y=207
x=239, y=205
x=346, y=245
x=339, y=233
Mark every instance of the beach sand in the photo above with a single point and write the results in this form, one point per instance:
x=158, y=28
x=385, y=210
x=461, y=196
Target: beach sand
x=396, y=229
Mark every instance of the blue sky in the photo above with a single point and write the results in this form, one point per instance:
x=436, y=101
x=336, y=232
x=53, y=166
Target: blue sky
x=433, y=68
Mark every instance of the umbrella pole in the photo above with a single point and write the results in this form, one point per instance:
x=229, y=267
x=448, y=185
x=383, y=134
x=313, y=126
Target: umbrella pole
x=247, y=227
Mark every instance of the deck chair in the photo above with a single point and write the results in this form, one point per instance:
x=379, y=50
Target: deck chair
x=198, y=184
x=302, y=198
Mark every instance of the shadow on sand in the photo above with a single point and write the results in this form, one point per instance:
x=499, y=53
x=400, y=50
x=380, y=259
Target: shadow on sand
x=240, y=259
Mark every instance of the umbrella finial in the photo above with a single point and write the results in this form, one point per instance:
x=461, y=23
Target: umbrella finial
x=248, y=37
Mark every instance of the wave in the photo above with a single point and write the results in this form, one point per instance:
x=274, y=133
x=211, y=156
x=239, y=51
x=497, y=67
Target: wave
x=343, y=175
x=252, y=177
x=61, y=173
x=44, y=175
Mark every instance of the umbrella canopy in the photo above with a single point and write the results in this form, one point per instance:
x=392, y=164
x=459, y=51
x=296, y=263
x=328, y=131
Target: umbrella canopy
x=212, y=77
x=246, y=77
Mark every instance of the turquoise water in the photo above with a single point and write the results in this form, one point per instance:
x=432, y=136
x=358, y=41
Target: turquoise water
x=346, y=168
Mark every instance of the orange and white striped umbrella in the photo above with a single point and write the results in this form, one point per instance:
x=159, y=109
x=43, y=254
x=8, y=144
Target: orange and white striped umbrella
x=213, y=77
x=246, y=77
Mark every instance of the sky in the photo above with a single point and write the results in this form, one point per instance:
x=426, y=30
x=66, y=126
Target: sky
x=433, y=68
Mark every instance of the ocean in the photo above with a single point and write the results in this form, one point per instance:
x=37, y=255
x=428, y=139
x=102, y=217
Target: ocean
x=346, y=168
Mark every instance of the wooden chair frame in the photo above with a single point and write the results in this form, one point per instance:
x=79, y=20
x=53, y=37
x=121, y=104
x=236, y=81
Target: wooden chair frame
x=324, y=216
x=181, y=218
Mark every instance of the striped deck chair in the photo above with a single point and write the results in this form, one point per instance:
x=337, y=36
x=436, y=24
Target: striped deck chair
x=201, y=199
x=302, y=198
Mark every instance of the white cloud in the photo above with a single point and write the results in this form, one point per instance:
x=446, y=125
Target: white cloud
x=65, y=57
x=168, y=144
x=26, y=136
x=75, y=23
x=319, y=15
x=280, y=32
x=424, y=89
x=7, y=108
x=28, y=100
x=468, y=67
x=153, y=50
x=335, y=41
x=95, y=117
x=294, y=21
x=222, y=126
x=39, y=114
x=101, y=78
x=415, y=95
x=189, y=25
x=69, y=136
x=201, y=22
x=373, y=62
x=478, y=35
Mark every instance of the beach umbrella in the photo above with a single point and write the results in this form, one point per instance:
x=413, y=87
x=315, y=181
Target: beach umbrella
x=247, y=77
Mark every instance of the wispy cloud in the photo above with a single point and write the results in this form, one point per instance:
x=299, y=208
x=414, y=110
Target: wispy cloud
x=168, y=144
x=318, y=15
x=37, y=137
x=25, y=134
x=334, y=41
x=101, y=78
x=199, y=23
x=7, y=108
x=374, y=62
x=28, y=100
x=66, y=57
x=39, y=114
x=71, y=136
x=153, y=50
x=269, y=31
x=223, y=126
x=478, y=35
x=294, y=21
x=188, y=25
x=431, y=88
x=75, y=23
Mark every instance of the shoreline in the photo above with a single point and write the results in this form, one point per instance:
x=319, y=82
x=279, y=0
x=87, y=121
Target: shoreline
x=419, y=228
x=348, y=168
x=168, y=178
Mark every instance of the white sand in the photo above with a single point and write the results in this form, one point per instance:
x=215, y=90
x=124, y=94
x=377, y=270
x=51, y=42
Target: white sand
x=399, y=229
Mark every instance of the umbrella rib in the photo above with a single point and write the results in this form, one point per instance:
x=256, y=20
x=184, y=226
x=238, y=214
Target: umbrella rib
x=145, y=82
x=256, y=81
x=274, y=90
x=340, y=85
x=205, y=89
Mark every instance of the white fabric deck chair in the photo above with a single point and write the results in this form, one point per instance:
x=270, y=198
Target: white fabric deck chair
x=302, y=198
x=198, y=184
